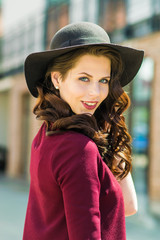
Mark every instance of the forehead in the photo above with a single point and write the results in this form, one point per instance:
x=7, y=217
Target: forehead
x=93, y=63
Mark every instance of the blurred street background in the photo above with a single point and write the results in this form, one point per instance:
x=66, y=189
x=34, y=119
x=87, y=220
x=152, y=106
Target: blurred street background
x=27, y=26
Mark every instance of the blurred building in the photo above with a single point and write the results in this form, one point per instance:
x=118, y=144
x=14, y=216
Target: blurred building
x=132, y=22
x=137, y=24
x=57, y=16
x=2, y=147
x=1, y=31
x=81, y=10
x=29, y=34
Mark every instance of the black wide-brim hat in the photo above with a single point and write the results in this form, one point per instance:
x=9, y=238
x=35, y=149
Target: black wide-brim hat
x=73, y=36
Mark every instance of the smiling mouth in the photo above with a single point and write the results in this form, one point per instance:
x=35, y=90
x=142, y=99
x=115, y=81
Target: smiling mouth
x=90, y=105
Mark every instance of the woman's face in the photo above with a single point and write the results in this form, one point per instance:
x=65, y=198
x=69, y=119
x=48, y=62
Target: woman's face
x=86, y=85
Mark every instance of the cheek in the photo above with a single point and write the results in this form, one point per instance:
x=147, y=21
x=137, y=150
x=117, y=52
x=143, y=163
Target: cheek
x=77, y=90
x=104, y=93
x=71, y=92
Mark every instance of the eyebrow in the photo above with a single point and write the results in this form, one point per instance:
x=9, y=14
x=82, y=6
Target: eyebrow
x=92, y=76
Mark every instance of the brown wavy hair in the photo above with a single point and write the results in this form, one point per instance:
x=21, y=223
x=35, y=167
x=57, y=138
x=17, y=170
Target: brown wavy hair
x=107, y=126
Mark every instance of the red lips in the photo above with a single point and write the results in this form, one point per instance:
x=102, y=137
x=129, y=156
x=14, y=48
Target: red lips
x=90, y=105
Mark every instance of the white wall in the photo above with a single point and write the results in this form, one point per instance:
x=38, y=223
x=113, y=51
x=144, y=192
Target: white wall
x=16, y=11
x=138, y=10
x=23, y=30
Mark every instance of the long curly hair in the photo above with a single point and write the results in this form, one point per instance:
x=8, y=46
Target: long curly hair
x=106, y=127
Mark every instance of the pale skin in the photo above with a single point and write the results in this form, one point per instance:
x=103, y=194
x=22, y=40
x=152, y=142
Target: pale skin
x=128, y=190
x=84, y=89
x=87, y=82
x=129, y=195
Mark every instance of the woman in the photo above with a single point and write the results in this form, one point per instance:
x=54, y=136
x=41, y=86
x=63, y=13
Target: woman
x=81, y=187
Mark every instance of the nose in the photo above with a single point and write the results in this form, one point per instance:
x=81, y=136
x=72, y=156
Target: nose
x=94, y=90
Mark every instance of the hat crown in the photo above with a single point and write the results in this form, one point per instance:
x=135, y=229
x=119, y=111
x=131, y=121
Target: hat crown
x=78, y=34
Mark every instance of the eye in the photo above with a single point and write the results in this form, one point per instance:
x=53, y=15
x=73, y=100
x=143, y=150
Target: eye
x=104, y=81
x=84, y=79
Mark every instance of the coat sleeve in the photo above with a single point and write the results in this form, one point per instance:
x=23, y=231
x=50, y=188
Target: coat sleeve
x=76, y=172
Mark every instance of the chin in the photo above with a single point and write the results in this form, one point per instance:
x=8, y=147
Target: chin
x=91, y=112
x=88, y=112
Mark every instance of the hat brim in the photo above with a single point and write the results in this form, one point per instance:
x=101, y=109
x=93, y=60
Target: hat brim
x=36, y=63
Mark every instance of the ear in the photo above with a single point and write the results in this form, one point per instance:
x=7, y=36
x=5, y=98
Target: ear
x=56, y=78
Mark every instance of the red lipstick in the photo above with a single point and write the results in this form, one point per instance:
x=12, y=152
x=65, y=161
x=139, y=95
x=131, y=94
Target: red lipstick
x=90, y=105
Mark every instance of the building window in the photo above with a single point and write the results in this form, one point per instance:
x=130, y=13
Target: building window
x=82, y=10
x=138, y=10
x=141, y=95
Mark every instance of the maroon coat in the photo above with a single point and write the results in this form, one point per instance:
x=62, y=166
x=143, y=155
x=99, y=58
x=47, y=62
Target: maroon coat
x=73, y=194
